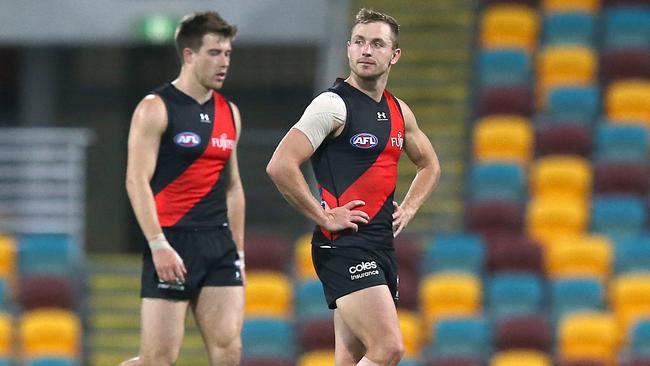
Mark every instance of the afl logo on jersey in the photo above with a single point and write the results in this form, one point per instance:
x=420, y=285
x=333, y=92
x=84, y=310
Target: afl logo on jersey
x=187, y=139
x=364, y=140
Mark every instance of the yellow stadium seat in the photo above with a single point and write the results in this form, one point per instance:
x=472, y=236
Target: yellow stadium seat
x=302, y=254
x=630, y=298
x=268, y=293
x=580, y=256
x=7, y=256
x=509, y=26
x=50, y=332
x=627, y=101
x=561, y=176
x=449, y=294
x=565, y=65
x=317, y=358
x=6, y=335
x=503, y=138
x=520, y=357
x=565, y=6
x=588, y=335
x=549, y=218
x=410, y=325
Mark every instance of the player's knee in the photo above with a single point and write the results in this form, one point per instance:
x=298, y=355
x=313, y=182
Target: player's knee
x=226, y=354
x=159, y=357
x=388, y=351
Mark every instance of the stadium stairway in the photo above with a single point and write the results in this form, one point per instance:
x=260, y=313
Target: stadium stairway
x=434, y=77
x=115, y=314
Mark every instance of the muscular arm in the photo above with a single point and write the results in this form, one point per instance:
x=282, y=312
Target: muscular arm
x=235, y=193
x=420, y=151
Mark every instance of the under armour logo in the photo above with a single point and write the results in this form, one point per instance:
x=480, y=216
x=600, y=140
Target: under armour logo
x=205, y=118
x=381, y=116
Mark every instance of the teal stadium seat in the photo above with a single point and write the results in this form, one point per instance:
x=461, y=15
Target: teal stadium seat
x=503, y=67
x=640, y=338
x=310, y=301
x=43, y=254
x=615, y=142
x=632, y=254
x=497, y=181
x=513, y=294
x=570, y=295
x=618, y=215
x=268, y=338
x=52, y=361
x=463, y=336
x=577, y=104
x=569, y=28
x=455, y=252
x=627, y=27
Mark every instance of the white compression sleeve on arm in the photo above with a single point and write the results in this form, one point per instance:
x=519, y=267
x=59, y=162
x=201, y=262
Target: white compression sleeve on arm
x=325, y=114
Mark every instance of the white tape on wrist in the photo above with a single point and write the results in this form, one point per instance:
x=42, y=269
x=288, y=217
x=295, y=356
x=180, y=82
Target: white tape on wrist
x=159, y=242
x=242, y=264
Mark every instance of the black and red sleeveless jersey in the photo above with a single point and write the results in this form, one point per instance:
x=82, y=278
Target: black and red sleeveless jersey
x=361, y=164
x=191, y=177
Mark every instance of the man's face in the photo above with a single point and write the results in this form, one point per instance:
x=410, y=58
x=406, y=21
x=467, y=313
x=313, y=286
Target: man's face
x=210, y=63
x=370, y=50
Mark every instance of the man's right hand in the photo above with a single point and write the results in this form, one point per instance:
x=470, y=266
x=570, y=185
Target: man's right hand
x=345, y=217
x=169, y=265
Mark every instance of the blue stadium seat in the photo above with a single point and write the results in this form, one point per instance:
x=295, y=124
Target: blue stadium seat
x=513, y=294
x=575, y=294
x=569, y=28
x=455, y=252
x=48, y=254
x=503, y=67
x=574, y=104
x=497, y=181
x=268, y=337
x=463, y=336
x=632, y=254
x=310, y=301
x=409, y=362
x=615, y=142
x=618, y=215
x=640, y=338
x=52, y=361
x=627, y=27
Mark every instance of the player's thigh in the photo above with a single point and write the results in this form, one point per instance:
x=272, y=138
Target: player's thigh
x=163, y=325
x=348, y=348
x=219, y=313
x=371, y=315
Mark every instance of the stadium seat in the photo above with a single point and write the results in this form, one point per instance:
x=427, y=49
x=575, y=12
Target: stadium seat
x=624, y=178
x=509, y=26
x=454, y=361
x=460, y=336
x=630, y=298
x=6, y=335
x=268, y=294
x=515, y=100
x=627, y=101
x=523, y=332
x=627, y=27
x=618, y=215
x=46, y=254
x=563, y=139
x=564, y=66
x=46, y=291
x=520, y=358
x=316, y=358
x=632, y=254
x=266, y=252
x=494, y=180
x=50, y=332
x=503, y=67
x=268, y=338
x=588, y=335
x=514, y=253
x=408, y=253
x=503, y=138
x=640, y=338
x=615, y=142
x=8, y=252
x=619, y=64
x=449, y=295
x=577, y=104
x=310, y=301
x=411, y=327
x=52, y=361
x=302, y=254
x=585, y=362
x=495, y=216
x=580, y=256
x=408, y=288
x=266, y=362
x=561, y=176
x=576, y=294
x=532, y=3
x=569, y=28
x=564, y=6
x=636, y=361
x=513, y=294
x=454, y=252
x=409, y=362
x=317, y=334
x=550, y=218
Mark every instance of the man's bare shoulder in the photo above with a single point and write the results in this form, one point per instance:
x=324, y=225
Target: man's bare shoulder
x=151, y=112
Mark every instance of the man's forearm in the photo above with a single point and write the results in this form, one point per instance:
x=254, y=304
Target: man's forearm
x=293, y=186
x=236, y=214
x=421, y=188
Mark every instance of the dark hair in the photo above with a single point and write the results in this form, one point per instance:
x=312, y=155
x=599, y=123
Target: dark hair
x=193, y=27
x=365, y=16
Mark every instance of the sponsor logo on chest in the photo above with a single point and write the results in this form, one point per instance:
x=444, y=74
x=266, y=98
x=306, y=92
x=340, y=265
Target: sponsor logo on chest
x=223, y=142
x=187, y=139
x=364, y=140
x=382, y=116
